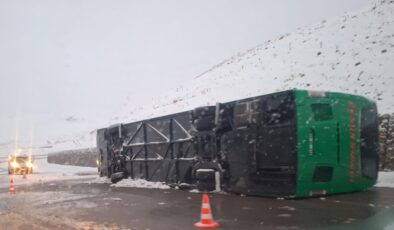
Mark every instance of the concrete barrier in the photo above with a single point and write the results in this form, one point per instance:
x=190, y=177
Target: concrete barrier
x=78, y=157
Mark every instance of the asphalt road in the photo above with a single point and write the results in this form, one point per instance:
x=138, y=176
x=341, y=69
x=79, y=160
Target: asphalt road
x=76, y=204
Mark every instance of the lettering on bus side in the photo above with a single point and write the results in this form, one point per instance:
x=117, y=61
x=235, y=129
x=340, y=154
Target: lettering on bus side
x=353, y=143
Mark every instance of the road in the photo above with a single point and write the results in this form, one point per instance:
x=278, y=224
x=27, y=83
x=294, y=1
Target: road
x=78, y=202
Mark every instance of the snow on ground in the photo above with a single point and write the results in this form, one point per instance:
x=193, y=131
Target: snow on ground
x=130, y=183
x=44, y=221
x=44, y=172
x=43, y=203
x=139, y=183
x=100, y=180
x=386, y=179
x=54, y=197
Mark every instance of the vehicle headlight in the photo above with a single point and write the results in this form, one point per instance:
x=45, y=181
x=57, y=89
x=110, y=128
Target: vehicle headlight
x=14, y=164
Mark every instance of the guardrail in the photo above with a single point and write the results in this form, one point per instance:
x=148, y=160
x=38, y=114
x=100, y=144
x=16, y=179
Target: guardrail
x=38, y=156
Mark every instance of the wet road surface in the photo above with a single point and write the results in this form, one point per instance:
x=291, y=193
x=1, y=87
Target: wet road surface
x=77, y=204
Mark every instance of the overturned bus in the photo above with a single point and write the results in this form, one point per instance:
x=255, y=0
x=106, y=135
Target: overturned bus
x=294, y=143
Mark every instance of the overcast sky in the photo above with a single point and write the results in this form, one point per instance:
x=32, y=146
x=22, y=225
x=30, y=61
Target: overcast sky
x=82, y=58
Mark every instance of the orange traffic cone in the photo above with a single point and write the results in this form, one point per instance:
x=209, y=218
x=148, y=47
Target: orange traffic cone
x=11, y=190
x=206, y=220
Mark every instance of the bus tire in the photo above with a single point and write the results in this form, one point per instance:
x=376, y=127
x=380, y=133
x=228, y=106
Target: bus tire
x=204, y=111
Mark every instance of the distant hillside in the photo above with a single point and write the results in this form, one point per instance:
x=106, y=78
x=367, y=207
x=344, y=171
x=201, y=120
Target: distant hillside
x=352, y=53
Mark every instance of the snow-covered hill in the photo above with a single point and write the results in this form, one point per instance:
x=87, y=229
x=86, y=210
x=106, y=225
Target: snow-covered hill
x=353, y=53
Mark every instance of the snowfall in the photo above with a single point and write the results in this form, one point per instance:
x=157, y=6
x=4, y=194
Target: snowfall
x=352, y=53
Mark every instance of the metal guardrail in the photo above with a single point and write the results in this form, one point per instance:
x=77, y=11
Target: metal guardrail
x=39, y=156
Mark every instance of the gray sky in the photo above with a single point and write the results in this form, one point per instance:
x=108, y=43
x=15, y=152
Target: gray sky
x=62, y=58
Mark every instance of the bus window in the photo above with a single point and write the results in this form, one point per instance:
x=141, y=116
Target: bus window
x=255, y=106
x=369, y=142
x=321, y=112
x=247, y=113
x=241, y=108
x=241, y=115
x=322, y=174
x=256, y=112
x=279, y=109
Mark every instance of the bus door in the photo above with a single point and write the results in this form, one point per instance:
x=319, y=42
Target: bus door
x=323, y=137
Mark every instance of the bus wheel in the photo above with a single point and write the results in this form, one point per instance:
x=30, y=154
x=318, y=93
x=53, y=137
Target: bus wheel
x=204, y=111
x=116, y=177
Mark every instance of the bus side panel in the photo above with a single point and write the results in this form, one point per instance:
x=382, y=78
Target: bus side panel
x=262, y=153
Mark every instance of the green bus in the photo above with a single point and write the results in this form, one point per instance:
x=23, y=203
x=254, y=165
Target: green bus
x=294, y=143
